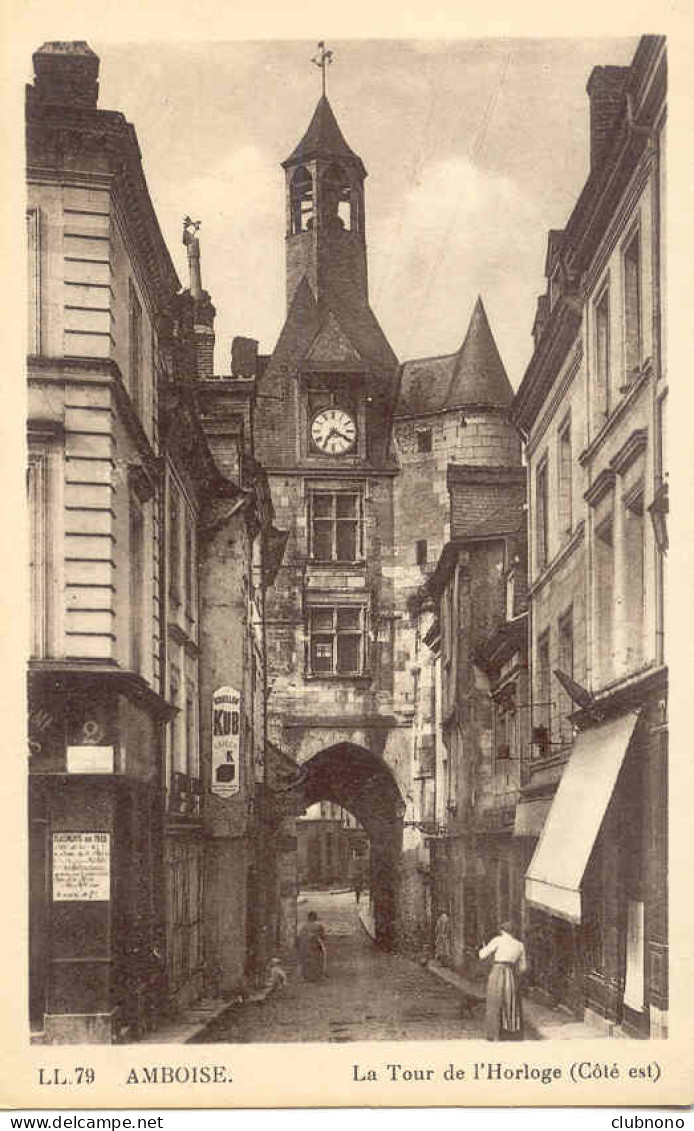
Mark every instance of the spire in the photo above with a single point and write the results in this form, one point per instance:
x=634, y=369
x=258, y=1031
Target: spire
x=323, y=138
x=479, y=376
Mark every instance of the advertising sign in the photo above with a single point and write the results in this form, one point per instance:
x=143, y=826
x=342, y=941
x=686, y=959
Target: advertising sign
x=81, y=867
x=226, y=741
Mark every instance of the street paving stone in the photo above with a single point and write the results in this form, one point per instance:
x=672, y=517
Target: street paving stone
x=367, y=994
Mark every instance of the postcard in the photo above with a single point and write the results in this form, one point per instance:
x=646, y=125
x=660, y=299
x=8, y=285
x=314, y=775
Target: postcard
x=342, y=568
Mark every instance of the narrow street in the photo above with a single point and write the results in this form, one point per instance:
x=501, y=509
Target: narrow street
x=367, y=994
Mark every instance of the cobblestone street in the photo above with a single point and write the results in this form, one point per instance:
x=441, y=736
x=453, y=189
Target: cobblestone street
x=367, y=994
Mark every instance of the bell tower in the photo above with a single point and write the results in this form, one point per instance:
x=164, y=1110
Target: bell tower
x=325, y=214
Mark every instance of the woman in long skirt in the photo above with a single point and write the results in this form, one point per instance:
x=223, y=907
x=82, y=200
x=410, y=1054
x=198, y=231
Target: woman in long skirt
x=504, y=1019
x=311, y=947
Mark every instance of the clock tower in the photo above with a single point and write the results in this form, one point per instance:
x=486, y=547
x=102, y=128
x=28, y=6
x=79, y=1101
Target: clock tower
x=323, y=428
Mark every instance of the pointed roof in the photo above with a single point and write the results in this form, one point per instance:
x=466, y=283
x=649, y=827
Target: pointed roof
x=475, y=375
x=333, y=344
x=479, y=376
x=323, y=138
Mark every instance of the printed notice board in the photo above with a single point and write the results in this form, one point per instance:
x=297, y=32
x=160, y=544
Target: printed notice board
x=81, y=867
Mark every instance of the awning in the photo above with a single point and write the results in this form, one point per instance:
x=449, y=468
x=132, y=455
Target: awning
x=553, y=880
x=531, y=817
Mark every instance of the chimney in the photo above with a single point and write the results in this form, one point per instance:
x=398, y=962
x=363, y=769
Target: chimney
x=203, y=310
x=244, y=357
x=605, y=89
x=65, y=74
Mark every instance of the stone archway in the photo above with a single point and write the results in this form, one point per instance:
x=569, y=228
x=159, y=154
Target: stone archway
x=359, y=781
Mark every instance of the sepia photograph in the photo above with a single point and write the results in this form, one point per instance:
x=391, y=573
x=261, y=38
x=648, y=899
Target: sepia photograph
x=347, y=481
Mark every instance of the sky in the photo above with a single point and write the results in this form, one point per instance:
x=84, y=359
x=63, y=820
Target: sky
x=474, y=150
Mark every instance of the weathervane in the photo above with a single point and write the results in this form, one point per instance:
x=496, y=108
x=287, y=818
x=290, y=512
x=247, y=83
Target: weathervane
x=323, y=59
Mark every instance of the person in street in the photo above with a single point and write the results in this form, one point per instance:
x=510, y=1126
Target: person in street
x=357, y=890
x=504, y=1016
x=311, y=947
x=442, y=939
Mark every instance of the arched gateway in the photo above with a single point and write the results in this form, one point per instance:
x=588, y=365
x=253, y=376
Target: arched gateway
x=362, y=783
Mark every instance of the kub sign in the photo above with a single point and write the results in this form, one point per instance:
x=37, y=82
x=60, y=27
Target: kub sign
x=226, y=741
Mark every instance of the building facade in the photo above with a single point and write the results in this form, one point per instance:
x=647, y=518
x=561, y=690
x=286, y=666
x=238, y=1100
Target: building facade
x=98, y=707
x=593, y=407
x=451, y=410
x=332, y=850
x=150, y=528
x=479, y=640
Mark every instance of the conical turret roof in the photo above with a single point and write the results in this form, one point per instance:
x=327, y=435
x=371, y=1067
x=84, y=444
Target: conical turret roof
x=323, y=138
x=479, y=376
x=475, y=375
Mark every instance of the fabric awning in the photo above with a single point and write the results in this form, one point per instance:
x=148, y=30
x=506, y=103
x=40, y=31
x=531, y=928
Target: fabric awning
x=531, y=816
x=553, y=880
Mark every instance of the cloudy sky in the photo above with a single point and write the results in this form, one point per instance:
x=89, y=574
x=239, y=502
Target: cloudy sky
x=474, y=149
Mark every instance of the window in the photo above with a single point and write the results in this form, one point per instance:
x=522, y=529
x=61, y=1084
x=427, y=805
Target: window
x=336, y=526
x=190, y=572
x=634, y=577
x=604, y=600
x=337, y=639
x=424, y=441
x=505, y=724
x=542, y=712
x=564, y=468
x=661, y=453
x=421, y=552
x=136, y=563
x=174, y=547
x=566, y=665
x=447, y=622
x=174, y=684
x=632, y=308
x=541, y=516
x=602, y=353
x=191, y=732
x=301, y=201
x=40, y=547
x=135, y=346
x=34, y=291
x=336, y=199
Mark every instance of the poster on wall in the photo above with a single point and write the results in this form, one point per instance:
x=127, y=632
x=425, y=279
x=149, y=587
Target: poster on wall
x=226, y=741
x=81, y=867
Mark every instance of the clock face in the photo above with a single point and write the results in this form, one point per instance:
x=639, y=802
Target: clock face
x=334, y=431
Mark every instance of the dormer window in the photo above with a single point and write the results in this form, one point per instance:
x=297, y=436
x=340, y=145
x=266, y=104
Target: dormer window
x=301, y=201
x=336, y=195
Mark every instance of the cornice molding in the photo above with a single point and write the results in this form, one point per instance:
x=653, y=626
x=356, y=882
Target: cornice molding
x=539, y=430
x=588, y=454
x=559, y=558
x=54, y=133
x=630, y=450
x=603, y=483
x=97, y=371
x=545, y=365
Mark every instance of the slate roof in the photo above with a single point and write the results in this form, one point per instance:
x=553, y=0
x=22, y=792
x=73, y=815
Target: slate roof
x=475, y=375
x=323, y=138
x=510, y=518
